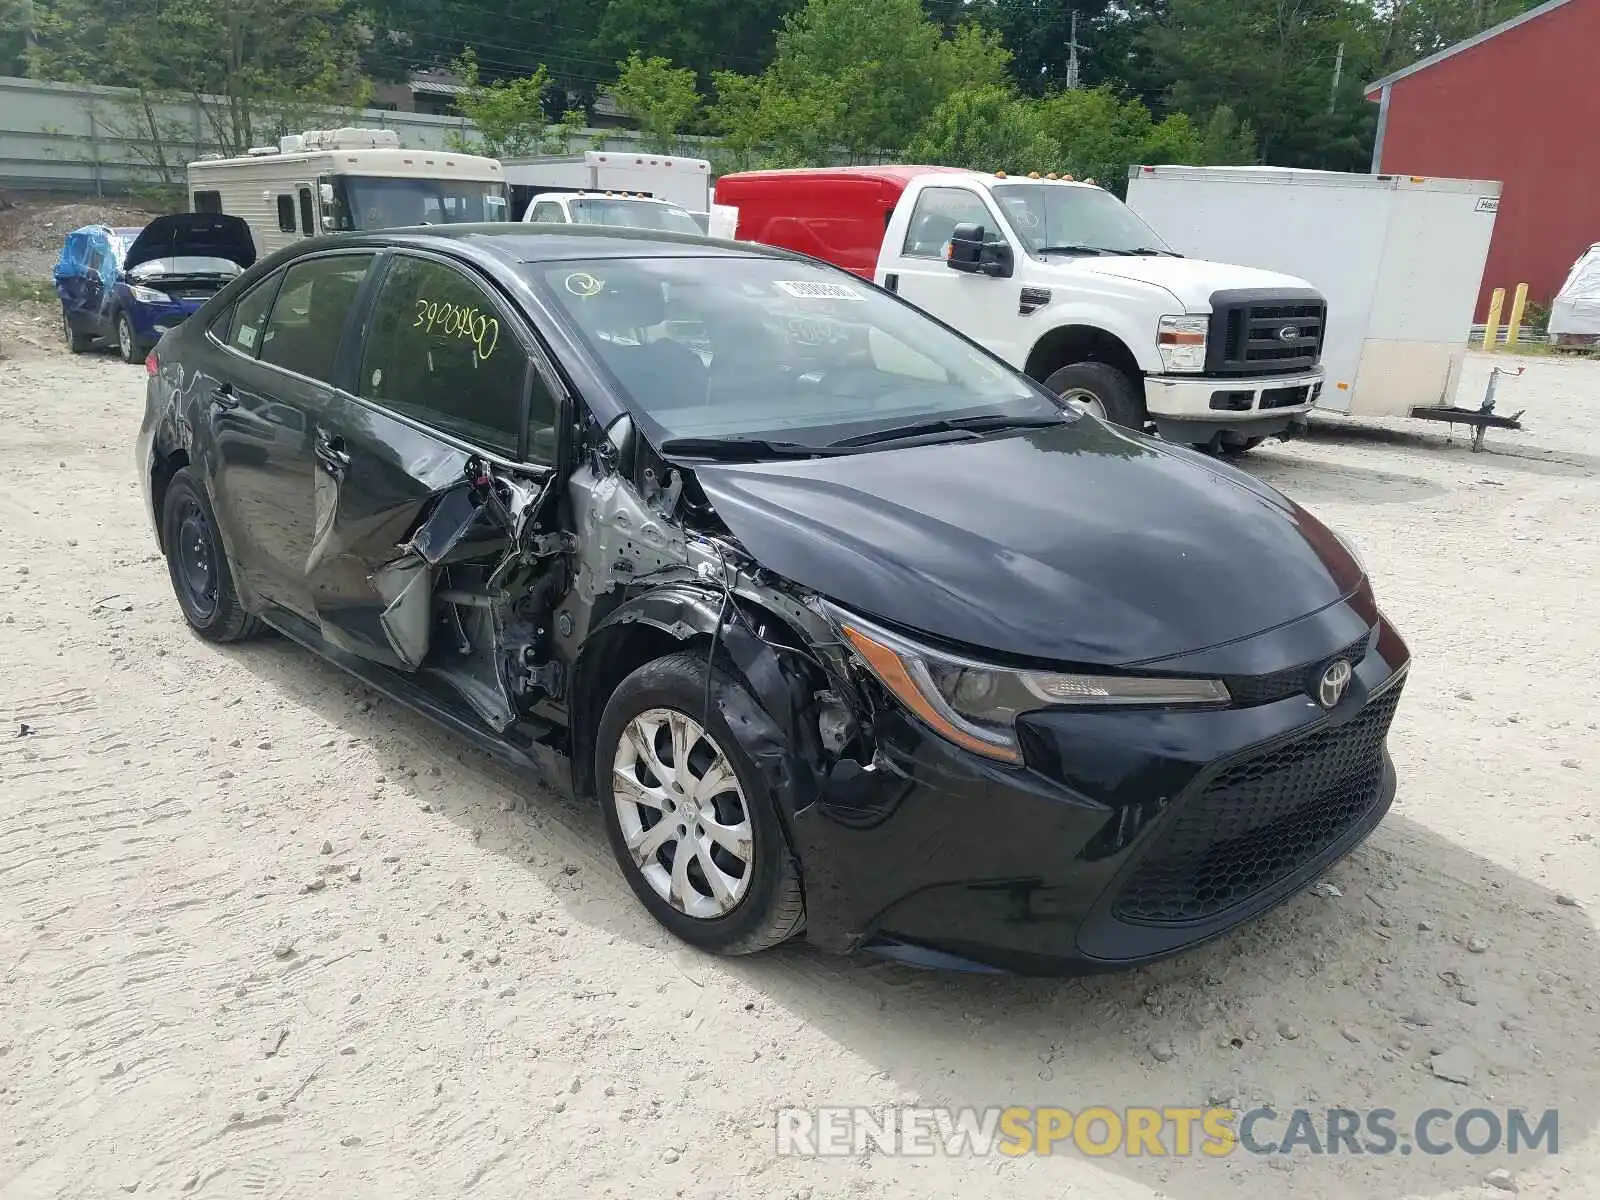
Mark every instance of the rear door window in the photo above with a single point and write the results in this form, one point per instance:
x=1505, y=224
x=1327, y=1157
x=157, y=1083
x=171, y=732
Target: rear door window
x=308, y=318
x=439, y=351
x=549, y=210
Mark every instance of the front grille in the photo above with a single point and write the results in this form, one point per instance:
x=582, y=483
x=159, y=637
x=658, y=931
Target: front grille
x=1259, y=821
x=1245, y=336
x=1291, y=681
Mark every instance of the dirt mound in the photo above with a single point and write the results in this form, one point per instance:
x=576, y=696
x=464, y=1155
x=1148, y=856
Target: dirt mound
x=32, y=231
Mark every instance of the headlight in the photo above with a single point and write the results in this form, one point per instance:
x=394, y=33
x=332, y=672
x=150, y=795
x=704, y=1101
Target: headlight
x=1182, y=342
x=146, y=295
x=976, y=705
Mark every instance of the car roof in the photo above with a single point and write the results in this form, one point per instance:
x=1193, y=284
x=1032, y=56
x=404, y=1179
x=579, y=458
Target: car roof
x=514, y=243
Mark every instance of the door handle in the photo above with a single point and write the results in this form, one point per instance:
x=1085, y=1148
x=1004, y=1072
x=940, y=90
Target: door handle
x=222, y=397
x=331, y=453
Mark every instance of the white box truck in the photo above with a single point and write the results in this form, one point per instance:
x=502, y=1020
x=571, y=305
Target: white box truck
x=1400, y=259
x=685, y=182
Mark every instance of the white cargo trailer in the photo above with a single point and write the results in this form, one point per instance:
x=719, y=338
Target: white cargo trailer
x=685, y=182
x=1399, y=258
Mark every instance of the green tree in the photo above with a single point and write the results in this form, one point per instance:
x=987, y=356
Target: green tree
x=661, y=97
x=986, y=129
x=16, y=27
x=858, y=76
x=706, y=36
x=255, y=69
x=509, y=113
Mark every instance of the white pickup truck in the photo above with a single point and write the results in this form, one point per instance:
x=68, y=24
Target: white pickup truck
x=1062, y=280
x=607, y=208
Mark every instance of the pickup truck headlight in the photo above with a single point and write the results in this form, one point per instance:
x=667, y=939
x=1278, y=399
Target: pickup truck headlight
x=976, y=705
x=146, y=295
x=1182, y=342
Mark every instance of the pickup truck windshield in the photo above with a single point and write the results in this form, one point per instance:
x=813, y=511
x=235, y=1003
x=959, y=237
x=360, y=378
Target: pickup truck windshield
x=635, y=214
x=1045, y=215
x=377, y=202
x=757, y=348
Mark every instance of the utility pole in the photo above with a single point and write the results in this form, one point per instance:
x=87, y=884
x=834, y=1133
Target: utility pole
x=1338, y=70
x=1072, y=54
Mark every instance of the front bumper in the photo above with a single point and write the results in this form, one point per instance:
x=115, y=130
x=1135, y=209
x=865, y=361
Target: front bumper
x=1127, y=837
x=1194, y=408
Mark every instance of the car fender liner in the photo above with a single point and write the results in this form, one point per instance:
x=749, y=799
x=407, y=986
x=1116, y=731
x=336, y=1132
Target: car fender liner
x=785, y=747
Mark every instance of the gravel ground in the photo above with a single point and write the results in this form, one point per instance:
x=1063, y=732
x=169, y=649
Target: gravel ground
x=263, y=935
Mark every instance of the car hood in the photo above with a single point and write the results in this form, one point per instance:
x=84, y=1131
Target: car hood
x=197, y=235
x=1190, y=280
x=1077, y=543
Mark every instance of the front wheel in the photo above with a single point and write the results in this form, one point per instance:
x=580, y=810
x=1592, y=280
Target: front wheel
x=127, y=342
x=690, y=819
x=1103, y=390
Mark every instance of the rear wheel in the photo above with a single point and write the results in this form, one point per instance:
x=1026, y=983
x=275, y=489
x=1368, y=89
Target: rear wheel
x=201, y=577
x=690, y=819
x=127, y=343
x=1103, y=390
x=77, y=341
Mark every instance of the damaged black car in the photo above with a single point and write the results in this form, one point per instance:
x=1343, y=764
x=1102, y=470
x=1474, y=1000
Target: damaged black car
x=851, y=631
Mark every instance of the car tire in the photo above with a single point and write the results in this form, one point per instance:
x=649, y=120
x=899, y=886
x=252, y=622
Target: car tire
x=77, y=341
x=752, y=910
x=1104, y=390
x=127, y=341
x=198, y=566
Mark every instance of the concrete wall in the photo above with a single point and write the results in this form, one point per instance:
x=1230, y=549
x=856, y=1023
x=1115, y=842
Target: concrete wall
x=70, y=138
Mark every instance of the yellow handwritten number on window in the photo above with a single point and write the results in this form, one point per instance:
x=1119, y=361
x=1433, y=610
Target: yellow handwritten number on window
x=455, y=320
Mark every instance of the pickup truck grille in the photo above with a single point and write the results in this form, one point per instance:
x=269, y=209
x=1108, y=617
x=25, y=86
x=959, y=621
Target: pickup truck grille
x=1249, y=327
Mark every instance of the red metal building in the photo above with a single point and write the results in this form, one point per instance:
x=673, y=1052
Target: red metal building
x=1519, y=103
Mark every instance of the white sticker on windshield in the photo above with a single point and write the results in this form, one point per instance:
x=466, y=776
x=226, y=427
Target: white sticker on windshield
x=809, y=289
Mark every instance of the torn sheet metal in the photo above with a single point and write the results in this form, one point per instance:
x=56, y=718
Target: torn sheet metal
x=406, y=586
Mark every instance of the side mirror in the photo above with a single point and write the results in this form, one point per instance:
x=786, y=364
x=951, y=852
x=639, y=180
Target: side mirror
x=969, y=252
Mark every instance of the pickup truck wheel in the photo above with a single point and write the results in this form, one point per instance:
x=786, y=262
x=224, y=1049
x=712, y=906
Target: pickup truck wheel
x=1103, y=390
x=1234, y=449
x=688, y=813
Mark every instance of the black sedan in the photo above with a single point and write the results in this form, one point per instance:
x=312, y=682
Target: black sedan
x=848, y=628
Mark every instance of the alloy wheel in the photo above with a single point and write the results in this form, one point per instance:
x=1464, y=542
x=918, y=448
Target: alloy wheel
x=125, y=337
x=683, y=814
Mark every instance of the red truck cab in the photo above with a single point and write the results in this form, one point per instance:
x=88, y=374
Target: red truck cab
x=837, y=214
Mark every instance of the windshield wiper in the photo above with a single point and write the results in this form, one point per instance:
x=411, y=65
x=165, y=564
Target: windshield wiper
x=1076, y=249
x=975, y=425
x=1153, y=250
x=736, y=448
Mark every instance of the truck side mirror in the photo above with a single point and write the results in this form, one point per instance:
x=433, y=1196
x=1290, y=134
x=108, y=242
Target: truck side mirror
x=971, y=253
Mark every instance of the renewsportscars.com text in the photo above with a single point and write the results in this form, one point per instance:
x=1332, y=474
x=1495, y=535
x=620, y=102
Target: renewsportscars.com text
x=1166, y=1131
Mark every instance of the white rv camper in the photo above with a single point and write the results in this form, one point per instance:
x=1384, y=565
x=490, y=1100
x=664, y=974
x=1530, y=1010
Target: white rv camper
x=330, y=180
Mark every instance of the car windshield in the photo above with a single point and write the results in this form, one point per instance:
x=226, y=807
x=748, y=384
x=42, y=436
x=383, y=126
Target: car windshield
x=748, y=348
x=185, y=265
x=375, y=202
x=1048, y=215
x=636, y=214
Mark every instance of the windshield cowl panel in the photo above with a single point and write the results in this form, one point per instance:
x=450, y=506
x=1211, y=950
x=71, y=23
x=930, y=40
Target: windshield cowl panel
x=769, y=350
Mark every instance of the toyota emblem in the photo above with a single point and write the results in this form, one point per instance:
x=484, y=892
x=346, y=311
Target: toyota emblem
x=1334, y=681
x=1288, y=333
